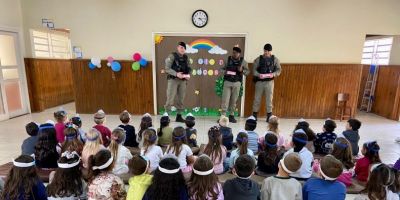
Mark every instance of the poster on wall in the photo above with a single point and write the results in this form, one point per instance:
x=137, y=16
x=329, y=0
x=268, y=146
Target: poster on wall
x=207, y=54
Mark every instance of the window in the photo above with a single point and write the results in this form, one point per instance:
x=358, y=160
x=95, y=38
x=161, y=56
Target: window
x=377, y=51
x=50, y=44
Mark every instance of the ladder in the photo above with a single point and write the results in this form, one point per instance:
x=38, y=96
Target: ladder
x=369, y=89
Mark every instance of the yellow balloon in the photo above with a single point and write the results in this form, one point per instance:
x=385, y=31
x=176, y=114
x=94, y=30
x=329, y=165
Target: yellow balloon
x=210, y=72
x=211, y=61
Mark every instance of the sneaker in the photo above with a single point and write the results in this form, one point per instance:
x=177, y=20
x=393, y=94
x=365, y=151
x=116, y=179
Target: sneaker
x=232, y=119
x=268, y=116
x=179, y=118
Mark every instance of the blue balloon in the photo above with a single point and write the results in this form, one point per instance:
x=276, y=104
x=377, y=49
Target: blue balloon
x=143, y=62
x=91, y=65
x=116, y=66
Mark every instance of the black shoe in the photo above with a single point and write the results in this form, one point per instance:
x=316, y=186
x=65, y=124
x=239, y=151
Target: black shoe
x=255, y=115
x=269, y=116
x=179, y=118
x=232, y=119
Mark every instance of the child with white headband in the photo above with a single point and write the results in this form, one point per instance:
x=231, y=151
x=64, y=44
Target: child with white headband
x=23, y=181
x=139, y=167
x=67, y=182
x=326, y=187
x=242, y=187
x=383, y=183
x=168, y=182
x=203, y=183
x=103, y=184
x=282, y=186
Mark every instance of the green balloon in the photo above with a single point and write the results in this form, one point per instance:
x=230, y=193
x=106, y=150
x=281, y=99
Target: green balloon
x=136, y=66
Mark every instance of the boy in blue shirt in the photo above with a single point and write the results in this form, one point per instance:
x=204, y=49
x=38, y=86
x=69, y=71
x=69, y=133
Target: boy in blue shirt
x=326, y=187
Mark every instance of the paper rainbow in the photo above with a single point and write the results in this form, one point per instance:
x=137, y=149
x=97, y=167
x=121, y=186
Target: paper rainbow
x=202, y=44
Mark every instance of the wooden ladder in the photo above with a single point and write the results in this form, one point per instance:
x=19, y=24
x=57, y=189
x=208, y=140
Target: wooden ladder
x=369, y=89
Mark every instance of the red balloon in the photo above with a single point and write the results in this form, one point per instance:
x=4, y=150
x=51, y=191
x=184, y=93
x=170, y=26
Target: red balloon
x=137, y=57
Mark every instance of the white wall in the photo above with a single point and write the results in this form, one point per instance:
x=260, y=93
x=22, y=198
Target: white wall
x=310, y=31
x=395, y=52
x=10, y=13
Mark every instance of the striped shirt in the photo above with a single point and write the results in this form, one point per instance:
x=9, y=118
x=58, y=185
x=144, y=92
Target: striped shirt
x=253, y=141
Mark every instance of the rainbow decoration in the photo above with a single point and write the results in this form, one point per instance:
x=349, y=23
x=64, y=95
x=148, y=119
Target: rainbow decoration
x=202, y=44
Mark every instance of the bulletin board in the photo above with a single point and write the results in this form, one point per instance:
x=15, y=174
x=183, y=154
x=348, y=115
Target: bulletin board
x=207, y=54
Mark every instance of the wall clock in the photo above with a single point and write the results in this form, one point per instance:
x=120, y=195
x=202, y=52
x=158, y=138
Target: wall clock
x=200, y=18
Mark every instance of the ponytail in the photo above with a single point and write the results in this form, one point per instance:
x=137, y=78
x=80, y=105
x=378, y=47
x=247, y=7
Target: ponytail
x=243, y=140
x=164, y=122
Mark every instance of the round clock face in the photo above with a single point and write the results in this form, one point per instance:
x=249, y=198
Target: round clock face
x=200, y=18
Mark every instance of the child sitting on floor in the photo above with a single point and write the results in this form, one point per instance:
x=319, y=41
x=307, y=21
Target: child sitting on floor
x=250, y=126
x=103, y=184
x=71, y=143
x=273, y=127
x=92, y=146
x=61, y=117
x=226, y=132
x=215, y=150
x=125, y=118
x=191, y=133
x=23, y=182
x=99, y=119
x=165, y=131
x=203, y=183
x=66, y=182
x=299, y=141
x=370, y=151
x=267, y=162
x=145, y=123
x=150, y=150
x=326, y=187
x=242, y=140
x=305, y=126
x=77, y=121
x=46, y=154
x=323, y=143
x=179, y=149
x=138, y=184
x=242, y=187
x=282, y=186
x=383, y=183
x=120, y=153
x=351, y=134
x=28, y=145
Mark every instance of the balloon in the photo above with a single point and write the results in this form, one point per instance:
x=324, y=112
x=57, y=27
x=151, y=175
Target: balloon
x=91, y=65
x=95, y=61
x=136, y=56
x=116, y=66
x=109, y=64
x=143, y=62
x=110, y=59
x=135, y=66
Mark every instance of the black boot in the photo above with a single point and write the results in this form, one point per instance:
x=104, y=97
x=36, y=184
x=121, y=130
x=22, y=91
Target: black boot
x=269, y=116
x=232, y=119
x=255, y=115
x=179, y=118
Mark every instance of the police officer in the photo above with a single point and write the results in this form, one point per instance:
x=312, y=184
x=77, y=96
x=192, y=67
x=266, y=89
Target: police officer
x=265, y=68
x=178, y=70
x=233, y=71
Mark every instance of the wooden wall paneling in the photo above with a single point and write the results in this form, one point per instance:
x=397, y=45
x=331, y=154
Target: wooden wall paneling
x=387, y=93
x=49, y=83
x=309, y=90
x=112, y=91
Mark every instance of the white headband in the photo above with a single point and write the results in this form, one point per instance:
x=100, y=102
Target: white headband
x=69, y=165
x=203, y=173
x=284, y=166
x=105, y=165
x=168, y=171
x=325, y=176
x=21, y=164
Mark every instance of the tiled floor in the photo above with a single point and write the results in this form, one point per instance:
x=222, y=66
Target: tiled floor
x=12, y=131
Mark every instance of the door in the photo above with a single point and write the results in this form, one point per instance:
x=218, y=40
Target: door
x=13, y=101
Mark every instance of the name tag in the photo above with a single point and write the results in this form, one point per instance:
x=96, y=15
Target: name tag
x=231, y=73
x=186, y=75
x=266, y=76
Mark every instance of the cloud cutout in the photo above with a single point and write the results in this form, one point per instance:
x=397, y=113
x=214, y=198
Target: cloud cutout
x=191, y=50
x=217, y=50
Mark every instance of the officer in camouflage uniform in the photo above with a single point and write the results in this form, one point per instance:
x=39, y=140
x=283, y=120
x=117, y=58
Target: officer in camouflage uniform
x=265, y=68
x=178, y=70
x=233, y=71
